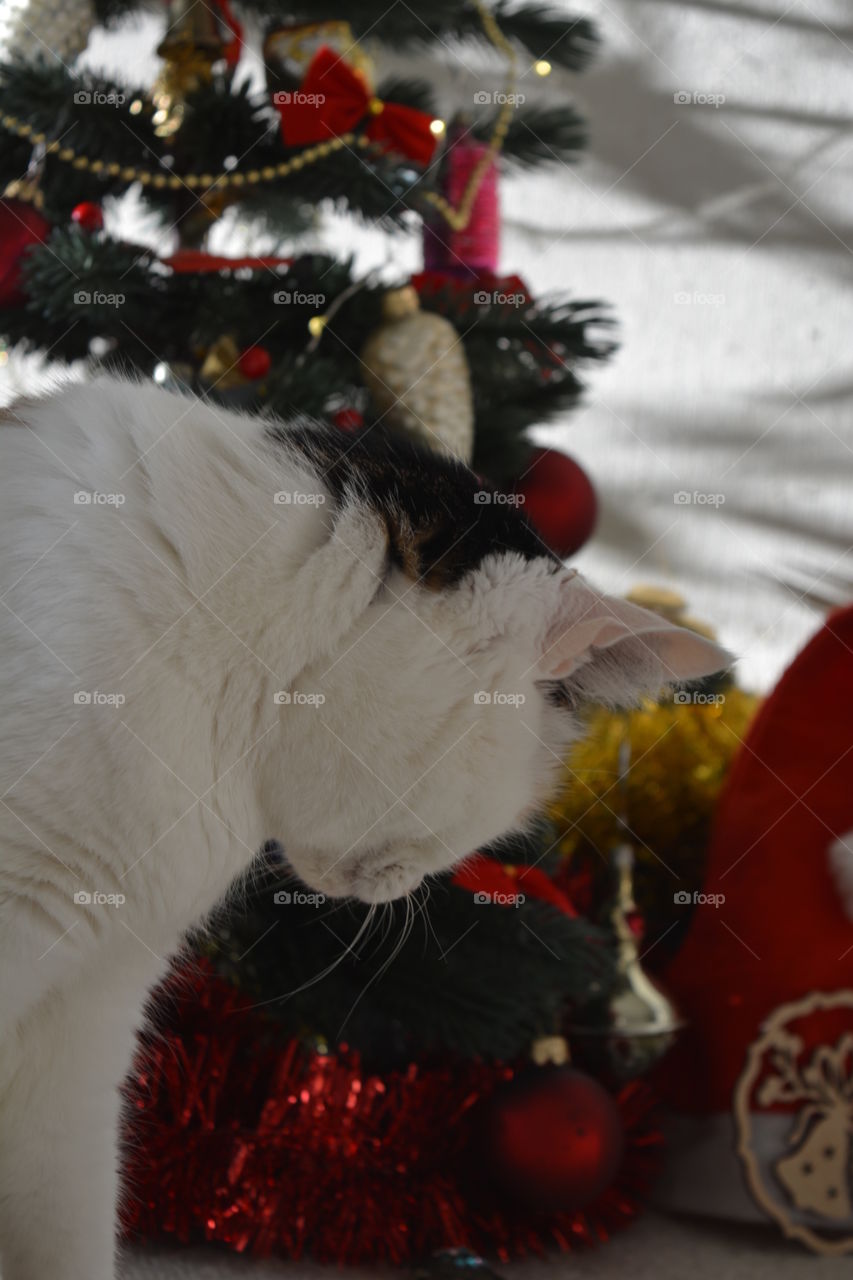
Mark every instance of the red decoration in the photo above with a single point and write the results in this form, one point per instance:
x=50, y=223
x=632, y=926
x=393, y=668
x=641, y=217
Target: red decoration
x=552, y=1139
x=255, y=362
x=197, y=262
x=348, y=419
x=21, y=226
x=559, y=500
x=88, y=216
x=240, y=1136
x=786, y=799
x=474, y=248
x=333, y=99
x=234, y=42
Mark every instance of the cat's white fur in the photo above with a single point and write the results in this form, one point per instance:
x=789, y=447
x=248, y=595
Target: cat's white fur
x=176, y=604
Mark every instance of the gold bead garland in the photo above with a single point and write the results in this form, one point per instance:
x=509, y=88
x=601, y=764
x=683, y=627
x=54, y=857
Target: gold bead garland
x=457, y=216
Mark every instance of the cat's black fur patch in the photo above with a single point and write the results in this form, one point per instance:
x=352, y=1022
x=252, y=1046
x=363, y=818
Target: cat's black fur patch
x=439, y=529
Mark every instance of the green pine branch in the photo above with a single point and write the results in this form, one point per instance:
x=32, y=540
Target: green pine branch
x=478, y=980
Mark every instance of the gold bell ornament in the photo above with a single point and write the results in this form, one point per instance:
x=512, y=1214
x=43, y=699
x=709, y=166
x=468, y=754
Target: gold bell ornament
x=194, y=42
x=624, y=1032
x=414, y=366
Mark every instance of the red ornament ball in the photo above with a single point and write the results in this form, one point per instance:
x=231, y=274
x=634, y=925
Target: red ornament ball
x=21, y=225
x=348, y=419
x=88, y=216
x=559, y=500
x=552, y=1139
x=255, y=362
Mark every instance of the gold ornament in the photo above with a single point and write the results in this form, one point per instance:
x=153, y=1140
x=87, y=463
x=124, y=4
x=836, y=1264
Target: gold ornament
x=289, y=50
x=681, y=753
x=191, y=47
x=808, y=1189
x=414, y=366
x=220, y=367
x=623, y=1034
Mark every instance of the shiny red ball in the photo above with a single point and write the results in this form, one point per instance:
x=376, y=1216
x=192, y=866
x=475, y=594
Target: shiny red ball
x=552, y=1139
x=255, y=362
x=348, y=419
x=559, y=500
x=88, y=216
x=20, y=227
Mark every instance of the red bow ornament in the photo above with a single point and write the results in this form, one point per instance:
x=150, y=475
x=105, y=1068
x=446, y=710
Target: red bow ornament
x=333, y=98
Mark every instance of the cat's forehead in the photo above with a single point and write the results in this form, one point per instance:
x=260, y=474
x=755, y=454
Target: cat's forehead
x=442, y=519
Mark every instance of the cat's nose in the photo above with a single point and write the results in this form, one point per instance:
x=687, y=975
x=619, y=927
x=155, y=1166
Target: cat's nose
x=383, y=882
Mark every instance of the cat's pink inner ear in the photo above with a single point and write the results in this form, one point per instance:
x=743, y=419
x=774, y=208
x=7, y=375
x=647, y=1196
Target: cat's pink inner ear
x=589, y=621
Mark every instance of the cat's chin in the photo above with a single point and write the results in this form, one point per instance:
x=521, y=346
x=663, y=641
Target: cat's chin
x=388, y=884
x=370, y=879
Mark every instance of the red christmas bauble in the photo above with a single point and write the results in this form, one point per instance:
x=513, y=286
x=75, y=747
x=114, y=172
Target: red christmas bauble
x=21, y=225
x=559, y=500
x=88, y=216
x=255, y=362
x=348, y=419
x=552, y=1139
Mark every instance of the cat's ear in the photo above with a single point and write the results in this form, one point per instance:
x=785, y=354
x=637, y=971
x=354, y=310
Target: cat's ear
x=608, y=650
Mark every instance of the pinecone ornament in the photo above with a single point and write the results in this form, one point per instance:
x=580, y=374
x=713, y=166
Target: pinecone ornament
x=32, y=28
x=414, y=366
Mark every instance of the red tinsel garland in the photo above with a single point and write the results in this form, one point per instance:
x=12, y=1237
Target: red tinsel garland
x=271, y=1147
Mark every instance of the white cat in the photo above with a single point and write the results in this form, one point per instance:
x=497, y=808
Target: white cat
x=214, y=632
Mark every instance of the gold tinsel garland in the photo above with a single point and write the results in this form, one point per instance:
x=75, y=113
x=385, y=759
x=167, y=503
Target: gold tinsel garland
x=680, y=757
